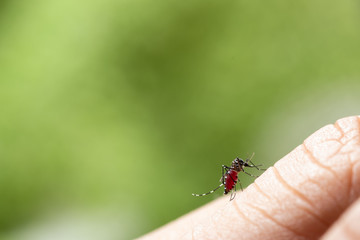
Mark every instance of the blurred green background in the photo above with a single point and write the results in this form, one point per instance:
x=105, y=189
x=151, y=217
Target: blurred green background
x=114, y=112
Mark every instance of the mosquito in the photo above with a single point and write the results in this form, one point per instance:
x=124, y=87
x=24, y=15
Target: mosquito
x=230, y=178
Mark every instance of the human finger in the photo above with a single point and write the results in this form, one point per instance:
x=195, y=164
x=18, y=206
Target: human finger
x=298, y=198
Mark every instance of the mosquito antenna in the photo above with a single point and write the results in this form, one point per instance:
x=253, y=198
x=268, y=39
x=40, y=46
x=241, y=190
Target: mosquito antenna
x=252, y=155
x=253, y=165
x=204, y=194
x=240, y=186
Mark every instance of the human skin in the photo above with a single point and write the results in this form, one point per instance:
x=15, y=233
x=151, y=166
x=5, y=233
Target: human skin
x=300, y=197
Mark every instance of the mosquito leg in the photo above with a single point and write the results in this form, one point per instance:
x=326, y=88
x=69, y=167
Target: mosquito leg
x=204, y=194
x=223, y=167
x=240, y=186
x=233, y=194
x=256, y=166
x=250, y=174
x=249, y=159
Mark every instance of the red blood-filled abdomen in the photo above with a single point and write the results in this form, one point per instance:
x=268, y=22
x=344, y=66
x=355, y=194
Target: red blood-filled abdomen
x=230, y=180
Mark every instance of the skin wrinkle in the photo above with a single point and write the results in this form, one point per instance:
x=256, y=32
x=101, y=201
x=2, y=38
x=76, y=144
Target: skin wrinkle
x=301, y=196
x=334, y=139
x=338, y=205
x=242, y=214
x=314, y=160
x=261, y=191
x=268, y=216
x=358, y=118
x=351, y=168
x=343, y=134
x=343, y=144
x=353, y=164
x=354, y=129
x=350, y=139
x=303, y=208
x=336, y=125
x=337, y=151
x=350, y=174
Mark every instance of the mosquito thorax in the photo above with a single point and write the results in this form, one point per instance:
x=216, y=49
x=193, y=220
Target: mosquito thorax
x=238, y=164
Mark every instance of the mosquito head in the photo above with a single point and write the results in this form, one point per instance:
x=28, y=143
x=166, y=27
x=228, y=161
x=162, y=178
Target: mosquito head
x=238, y=164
